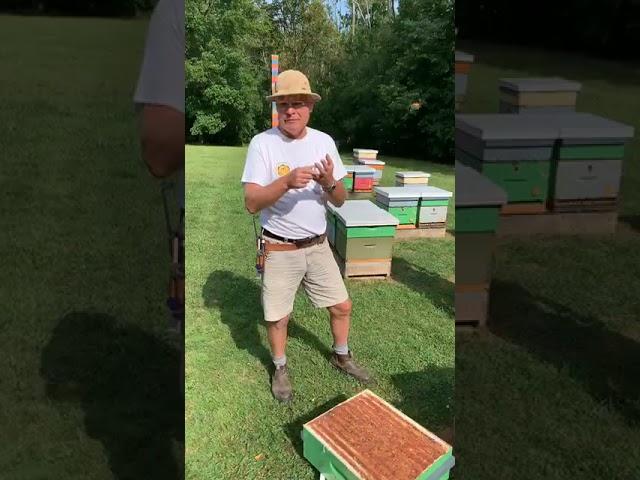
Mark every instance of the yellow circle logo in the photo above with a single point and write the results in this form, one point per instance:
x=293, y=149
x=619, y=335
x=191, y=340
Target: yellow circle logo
x=283, y=169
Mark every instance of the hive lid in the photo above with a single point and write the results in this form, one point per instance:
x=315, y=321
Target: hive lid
x=413, y=175
x=428, y=191
x=370, y=161
x=369, y=435
x=577, y=125
x=506, y=126
x=363, y=213
x=359, y=169
x=474, y=189
x=364, y=150
x=542, y=84
x=397, y=193
x=464, y=57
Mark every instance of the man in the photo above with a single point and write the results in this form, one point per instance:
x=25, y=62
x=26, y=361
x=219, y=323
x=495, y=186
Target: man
x=290, y=172
x=159, y=98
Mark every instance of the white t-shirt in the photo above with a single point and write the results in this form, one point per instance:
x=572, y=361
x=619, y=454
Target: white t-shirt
x=161, y=80
x=299, y=213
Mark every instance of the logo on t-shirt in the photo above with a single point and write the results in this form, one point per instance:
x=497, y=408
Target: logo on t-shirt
x=283, y=169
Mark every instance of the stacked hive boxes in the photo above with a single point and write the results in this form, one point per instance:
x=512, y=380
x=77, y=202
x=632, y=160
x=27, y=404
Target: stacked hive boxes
x=359, y=178
x=415, y=206
x=433, y=206
x=463, y=65
x=399, y=202
x=538, y=95
x=369, y=158
x=363, y=438
x=412, y=178
x=363, y=238
x=514, y=151
x=586, y=174
x=478, y=204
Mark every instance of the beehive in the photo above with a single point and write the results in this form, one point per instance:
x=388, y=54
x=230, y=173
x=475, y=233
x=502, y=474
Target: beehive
x=587, y=172
x=478, y=203
x=514, y=151
x=433, y=205
x=401, y=202
x=412, y=178
x=538, y=95
x=366, y=438
x=359, y=178
x=463, y=63
x=363, y=238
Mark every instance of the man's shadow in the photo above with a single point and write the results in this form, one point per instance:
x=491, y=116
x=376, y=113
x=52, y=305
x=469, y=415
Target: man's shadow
x=126, y=381
x=439, y=291
x=238, y=299
x=606, y=363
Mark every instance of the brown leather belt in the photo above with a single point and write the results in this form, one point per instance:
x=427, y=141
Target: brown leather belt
x=291, y=244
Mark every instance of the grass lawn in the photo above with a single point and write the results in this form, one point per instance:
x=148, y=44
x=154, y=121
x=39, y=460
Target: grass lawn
x=552, y=391
x=87, y=377
x=402, y=331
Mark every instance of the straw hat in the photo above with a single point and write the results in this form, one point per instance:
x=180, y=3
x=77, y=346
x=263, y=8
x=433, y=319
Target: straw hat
x=292, y=82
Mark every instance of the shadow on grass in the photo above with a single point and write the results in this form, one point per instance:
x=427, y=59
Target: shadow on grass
x=125, y=380
x=294, y=429
x=427, y=398
x=438, y=290
x=633, y=221
x=606, y=363
x=238, y=299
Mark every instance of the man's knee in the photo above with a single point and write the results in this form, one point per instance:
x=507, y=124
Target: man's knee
x=342, y=309
x=280, y=324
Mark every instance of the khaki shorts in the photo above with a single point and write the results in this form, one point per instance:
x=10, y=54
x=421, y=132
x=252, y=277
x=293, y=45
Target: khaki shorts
x=312, y=266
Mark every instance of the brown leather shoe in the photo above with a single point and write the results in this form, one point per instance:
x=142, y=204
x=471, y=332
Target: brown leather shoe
x=281, y=385
x=350, y=367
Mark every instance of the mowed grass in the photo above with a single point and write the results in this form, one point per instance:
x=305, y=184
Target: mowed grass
x=551, y=390
x=402, y=330
x=88, y=381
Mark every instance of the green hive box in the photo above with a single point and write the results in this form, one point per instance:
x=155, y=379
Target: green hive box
x=384, y=435
x=433, y=205
x=514, y=151
x=478, y=204
x=400, y=202
x=589, y=163
x=331, y=227
x=363, y=231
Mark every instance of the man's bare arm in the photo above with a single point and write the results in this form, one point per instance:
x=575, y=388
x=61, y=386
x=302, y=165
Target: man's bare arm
x=339, y=194
x=257, y=197
x=162, y=139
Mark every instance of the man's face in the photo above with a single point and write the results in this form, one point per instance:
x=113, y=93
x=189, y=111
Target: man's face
x=294, y=112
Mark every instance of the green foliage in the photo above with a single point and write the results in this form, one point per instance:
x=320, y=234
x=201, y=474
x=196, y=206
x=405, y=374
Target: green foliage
x=225, y=70
x=369, y=69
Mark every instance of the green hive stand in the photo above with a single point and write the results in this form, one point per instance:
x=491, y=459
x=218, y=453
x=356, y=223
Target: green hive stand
x=371, y=451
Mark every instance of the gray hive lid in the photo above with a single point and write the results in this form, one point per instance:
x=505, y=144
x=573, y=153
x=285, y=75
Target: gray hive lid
x=506, y=126
x=363, y=213
x=360, y=169
x=474, y=189
x=429, y=192
x=397, y=193
x=586, y=125
x=413, y=175
x=545, y=84
x=464, y=57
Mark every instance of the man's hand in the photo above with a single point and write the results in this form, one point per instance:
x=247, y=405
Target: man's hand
x=324, y=176
x=299, y=177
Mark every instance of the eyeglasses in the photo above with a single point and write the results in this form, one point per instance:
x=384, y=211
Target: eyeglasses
x=286, y=105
